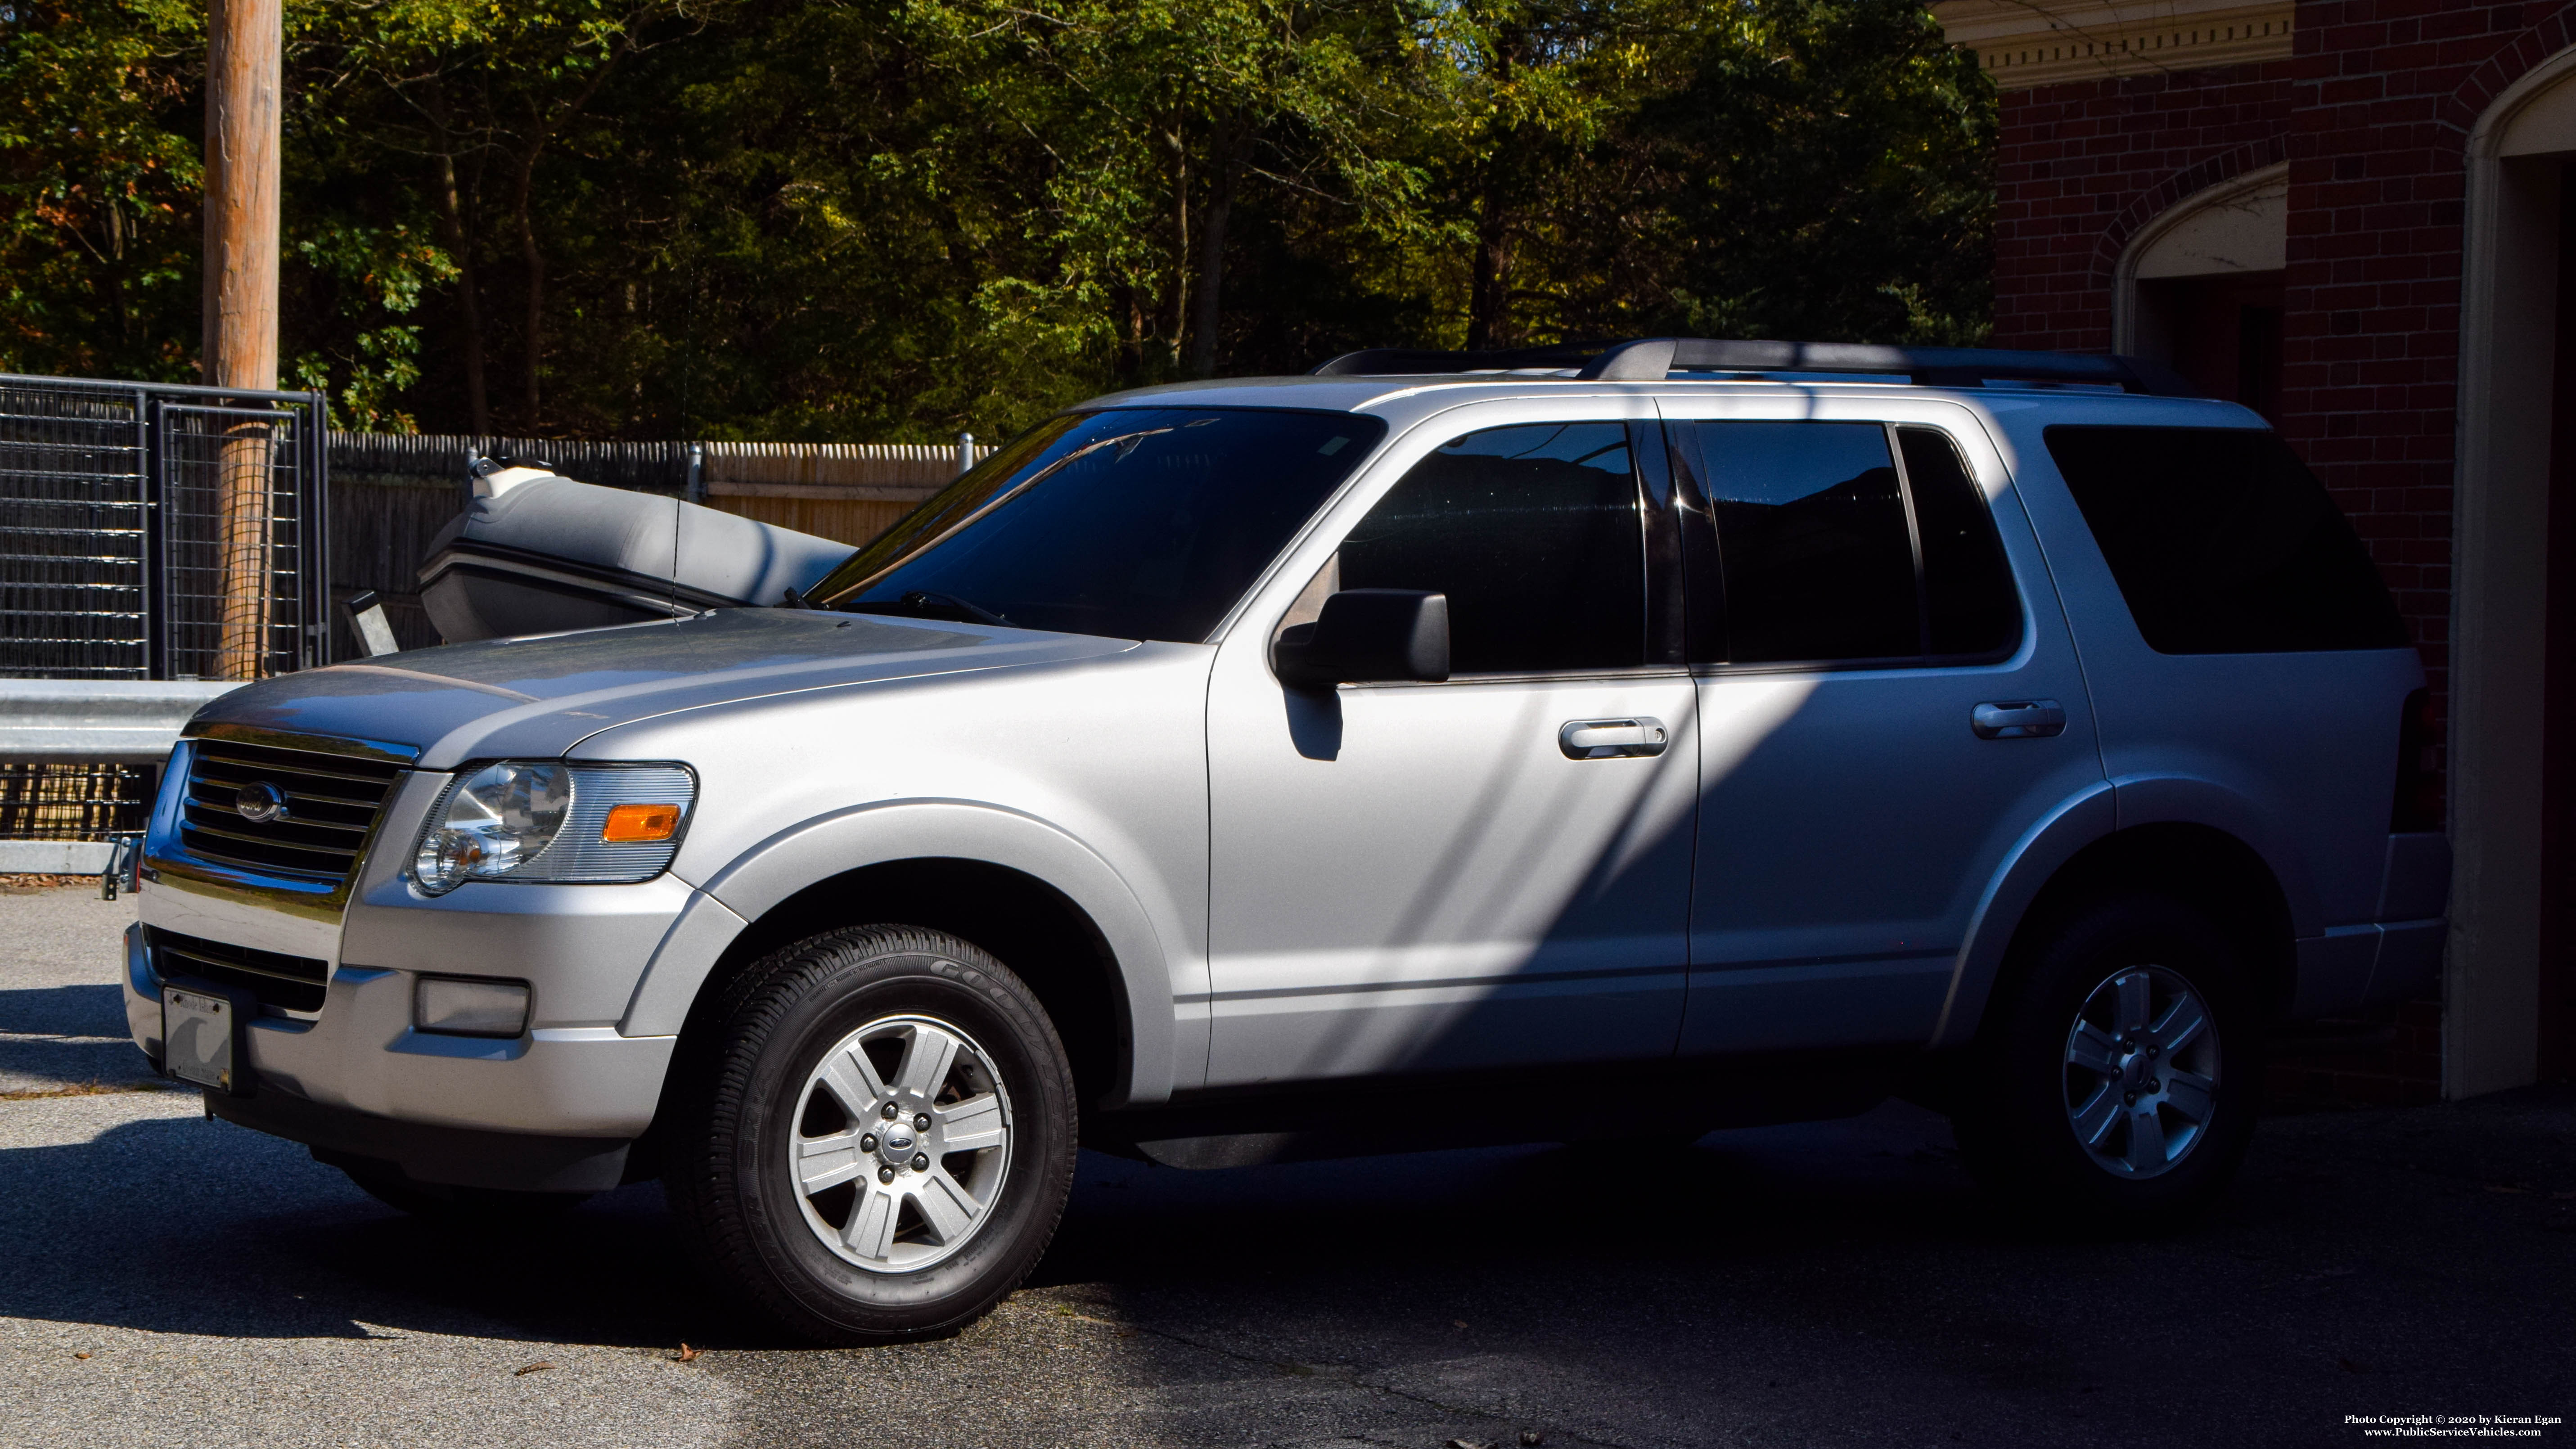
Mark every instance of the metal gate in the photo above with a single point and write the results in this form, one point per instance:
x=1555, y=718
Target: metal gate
x=158, y=531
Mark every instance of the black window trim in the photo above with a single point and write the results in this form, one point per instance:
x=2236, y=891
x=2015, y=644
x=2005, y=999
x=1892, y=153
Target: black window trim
x=1699, y=527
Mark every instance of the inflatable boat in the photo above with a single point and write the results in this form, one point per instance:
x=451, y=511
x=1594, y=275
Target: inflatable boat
x=538, y=553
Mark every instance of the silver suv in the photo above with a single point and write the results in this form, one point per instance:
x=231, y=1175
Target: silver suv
x=1595, y=746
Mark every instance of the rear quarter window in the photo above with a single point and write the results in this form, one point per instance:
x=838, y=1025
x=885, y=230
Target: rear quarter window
x=2222, y=541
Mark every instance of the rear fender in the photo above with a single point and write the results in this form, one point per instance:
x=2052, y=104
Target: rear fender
x=2027, y=869
x=2186, y=800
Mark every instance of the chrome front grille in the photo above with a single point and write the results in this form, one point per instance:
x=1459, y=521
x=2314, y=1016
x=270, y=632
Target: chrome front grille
x=331, y=804
x=289, y=983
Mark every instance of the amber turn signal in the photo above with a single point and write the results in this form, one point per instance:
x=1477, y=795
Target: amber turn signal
x=631, y=823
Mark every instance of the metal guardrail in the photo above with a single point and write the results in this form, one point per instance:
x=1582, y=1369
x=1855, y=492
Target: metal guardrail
x=98, y=721
x=80, y=758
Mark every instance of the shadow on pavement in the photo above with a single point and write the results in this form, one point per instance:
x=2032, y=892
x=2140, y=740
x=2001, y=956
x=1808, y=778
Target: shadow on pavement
x=63, y=1011
x=182, y=1225
x=1808, y=1284
x=35, y=1022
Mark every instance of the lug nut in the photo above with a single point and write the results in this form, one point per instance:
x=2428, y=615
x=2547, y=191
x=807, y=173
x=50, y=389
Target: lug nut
x=885, y=1174
x=2153, y=1049
x=2155, y=1084
x=2129, y=1099
x=890, y=1112
x=868, y=1142
x=921, y=1122
x=921, y=1162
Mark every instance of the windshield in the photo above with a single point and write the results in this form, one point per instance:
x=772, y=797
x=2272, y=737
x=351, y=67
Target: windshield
x=1143, y=523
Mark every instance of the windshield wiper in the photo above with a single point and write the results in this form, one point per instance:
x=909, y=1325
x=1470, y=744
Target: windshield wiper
x=923, y=604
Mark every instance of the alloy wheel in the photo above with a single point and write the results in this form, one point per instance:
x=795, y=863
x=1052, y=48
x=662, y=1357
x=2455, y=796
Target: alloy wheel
x=2141, y=1071
x=902, y=1144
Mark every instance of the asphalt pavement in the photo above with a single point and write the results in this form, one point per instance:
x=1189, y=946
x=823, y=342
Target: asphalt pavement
x=167, y=1280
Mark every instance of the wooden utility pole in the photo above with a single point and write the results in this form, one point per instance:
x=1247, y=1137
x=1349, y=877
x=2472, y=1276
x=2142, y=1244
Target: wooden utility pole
x=243, y=76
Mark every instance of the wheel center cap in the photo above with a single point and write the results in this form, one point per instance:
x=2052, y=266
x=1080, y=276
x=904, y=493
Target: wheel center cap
x=898, y=1143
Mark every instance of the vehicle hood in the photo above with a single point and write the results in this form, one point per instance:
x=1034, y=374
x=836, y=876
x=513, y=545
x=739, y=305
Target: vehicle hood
x=540, y=697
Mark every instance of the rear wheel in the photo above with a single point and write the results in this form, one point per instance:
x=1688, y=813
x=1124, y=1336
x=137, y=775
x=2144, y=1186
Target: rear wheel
x=2117, y=1088
x=876, y=1139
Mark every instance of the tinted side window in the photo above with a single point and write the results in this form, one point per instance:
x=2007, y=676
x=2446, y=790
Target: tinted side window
x=1968, y=591
x=2223, y=542
x=1536, y=536
x=1815, y=555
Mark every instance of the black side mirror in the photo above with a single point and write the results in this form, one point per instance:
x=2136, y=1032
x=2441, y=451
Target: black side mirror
x=1365, y=636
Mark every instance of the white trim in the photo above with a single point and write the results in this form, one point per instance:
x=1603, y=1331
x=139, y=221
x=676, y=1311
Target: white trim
x=2499, y=573
x=2124, y=273
x=2024, y=43
x=2487, y=138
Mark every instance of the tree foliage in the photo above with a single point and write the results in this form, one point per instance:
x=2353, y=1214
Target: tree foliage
x=882, y=219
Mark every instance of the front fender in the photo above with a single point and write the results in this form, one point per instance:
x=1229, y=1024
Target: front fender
x=2027, y=868
x=1163, y=1049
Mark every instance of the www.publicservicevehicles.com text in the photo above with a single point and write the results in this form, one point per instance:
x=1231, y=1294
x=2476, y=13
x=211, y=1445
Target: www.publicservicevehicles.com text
x=2451, y=1426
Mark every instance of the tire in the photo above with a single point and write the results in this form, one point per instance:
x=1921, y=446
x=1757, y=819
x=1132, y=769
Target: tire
x=794, y=1181
x=2075, y=1112
x=458, y=1206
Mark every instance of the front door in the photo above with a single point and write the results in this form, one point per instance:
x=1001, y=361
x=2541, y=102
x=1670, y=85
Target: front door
x=1490, y=871
x=1884, y=714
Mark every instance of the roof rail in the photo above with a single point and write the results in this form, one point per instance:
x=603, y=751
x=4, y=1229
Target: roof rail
x=1653, y=359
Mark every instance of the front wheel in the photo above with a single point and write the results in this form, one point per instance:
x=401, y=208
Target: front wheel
x=2116, y=1088
x=875, y=1137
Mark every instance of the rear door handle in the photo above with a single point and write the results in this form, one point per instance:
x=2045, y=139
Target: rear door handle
x=1610, y=739
x=2018, y=719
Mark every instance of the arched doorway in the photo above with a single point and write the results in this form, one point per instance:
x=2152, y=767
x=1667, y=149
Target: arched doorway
x=2199, y=288
x=2507, y=1000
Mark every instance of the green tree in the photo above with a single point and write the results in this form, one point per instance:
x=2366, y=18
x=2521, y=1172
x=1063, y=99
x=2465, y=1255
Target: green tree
x=892, y=219
x=99, y=186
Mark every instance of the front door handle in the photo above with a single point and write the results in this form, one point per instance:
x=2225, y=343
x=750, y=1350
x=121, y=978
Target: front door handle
x=1611, y=739
x=2018, y=719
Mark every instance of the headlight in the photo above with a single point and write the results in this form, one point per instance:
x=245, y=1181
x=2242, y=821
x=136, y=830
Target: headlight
x=550, y=820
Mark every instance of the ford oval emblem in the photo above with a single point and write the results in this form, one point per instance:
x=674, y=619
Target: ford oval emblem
x=260, y=803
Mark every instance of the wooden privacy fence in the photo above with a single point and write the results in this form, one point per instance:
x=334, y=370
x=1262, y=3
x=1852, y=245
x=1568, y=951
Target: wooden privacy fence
x=391, y=494
x=846, y=491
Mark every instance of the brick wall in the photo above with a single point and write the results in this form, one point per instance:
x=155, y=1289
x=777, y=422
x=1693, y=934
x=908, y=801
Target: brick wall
x=2080, y=167
x=2384, y=94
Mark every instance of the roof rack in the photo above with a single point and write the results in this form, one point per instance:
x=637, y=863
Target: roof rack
x=1653, y=359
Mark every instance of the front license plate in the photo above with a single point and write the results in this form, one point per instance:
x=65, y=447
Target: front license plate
x=197, y=1037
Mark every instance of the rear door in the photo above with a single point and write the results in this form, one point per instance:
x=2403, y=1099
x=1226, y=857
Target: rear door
x=1889, y=701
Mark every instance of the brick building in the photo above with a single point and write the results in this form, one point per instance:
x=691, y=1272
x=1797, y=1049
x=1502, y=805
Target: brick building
x=2350, y=215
